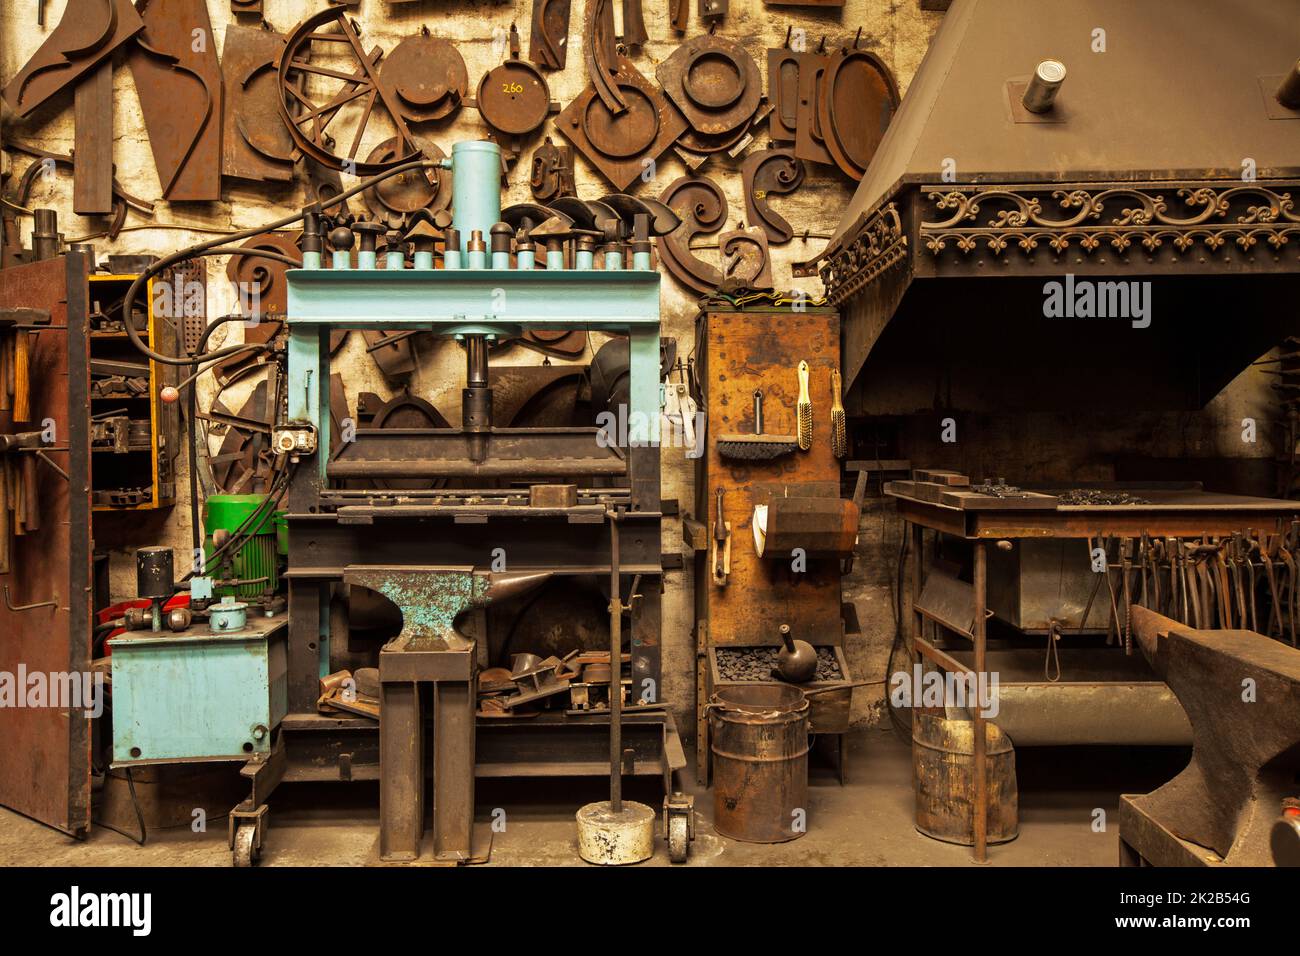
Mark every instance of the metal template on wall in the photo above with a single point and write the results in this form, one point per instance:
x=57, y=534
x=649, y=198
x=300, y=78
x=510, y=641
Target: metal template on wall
x=178, y=79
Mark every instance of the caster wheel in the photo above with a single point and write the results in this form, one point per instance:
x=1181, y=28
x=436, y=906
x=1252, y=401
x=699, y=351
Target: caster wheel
x=246, y=851
x=679, y=840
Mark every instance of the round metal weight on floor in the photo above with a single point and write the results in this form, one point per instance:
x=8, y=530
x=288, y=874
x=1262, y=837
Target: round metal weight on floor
x=614, y=839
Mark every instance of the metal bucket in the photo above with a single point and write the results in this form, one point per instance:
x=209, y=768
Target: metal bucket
x=943, y=765
x=760, y=762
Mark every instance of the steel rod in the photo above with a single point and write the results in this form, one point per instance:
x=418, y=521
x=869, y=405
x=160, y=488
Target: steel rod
x=615, y=671
x=981, y=808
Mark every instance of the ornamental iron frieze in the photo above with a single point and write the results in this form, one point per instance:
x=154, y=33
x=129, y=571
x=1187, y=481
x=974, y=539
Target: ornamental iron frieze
x=876, y=246
x=1119, y=217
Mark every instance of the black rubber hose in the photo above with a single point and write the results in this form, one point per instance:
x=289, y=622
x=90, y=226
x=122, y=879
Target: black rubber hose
x=210, y=246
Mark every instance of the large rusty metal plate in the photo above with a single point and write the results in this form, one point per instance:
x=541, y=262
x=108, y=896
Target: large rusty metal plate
x=783, y=93
x=177, y=76
x=618, y=145
x=45, y=759
x=548, y=45
x=810, y=136
x=428, y=77
x=88, y=33
x=858, y=100
x=714, y=82
x=255, y=142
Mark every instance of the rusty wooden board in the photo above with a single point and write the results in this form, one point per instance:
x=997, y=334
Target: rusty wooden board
x=45, y=760
x=741, y=352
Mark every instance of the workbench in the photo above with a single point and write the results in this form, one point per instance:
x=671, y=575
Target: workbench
x=966, y=513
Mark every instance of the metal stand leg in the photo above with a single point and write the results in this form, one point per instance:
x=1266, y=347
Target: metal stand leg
x=453, y=770
x=401, y=783
x=981, y=808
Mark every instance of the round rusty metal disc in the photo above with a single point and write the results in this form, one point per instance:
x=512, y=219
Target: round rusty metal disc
x=428, y=76
x=714, y=78
x=861, y=99
x=714, y=82
x=514, y=98
x=410, y=191
x=628, y=134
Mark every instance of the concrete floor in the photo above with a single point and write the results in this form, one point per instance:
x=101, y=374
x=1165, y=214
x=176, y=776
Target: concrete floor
x=867, y=822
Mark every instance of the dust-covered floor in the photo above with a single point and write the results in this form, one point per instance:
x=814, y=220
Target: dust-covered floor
x=1068, y=800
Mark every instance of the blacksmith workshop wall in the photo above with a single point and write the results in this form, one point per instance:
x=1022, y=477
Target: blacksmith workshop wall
x=897, y=30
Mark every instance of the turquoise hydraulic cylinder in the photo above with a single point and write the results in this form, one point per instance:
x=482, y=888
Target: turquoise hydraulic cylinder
x=475, y=188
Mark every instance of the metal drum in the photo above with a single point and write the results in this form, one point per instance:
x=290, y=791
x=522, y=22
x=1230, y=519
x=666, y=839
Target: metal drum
x=943, y=764
x=760, y=763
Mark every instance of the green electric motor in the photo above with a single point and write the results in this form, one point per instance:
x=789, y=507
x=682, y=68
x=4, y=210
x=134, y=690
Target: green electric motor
x=252, y=569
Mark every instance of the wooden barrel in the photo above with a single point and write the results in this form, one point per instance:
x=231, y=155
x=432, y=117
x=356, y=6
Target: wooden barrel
x=760, y=762
x=943, y=765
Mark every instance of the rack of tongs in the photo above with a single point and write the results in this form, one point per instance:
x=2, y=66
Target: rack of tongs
x=1244, y=581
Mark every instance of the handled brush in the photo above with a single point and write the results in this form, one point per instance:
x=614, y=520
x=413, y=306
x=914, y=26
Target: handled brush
x=756, y=447
x=839, y=423
x=805, y=410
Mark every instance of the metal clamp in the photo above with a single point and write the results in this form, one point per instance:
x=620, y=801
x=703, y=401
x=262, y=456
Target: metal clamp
x=27, y=607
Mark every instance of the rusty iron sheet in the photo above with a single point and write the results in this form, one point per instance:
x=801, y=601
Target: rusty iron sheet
x=45, y=761
x=246, y=7
x=679, y=14
x=89, y=32
x=92, y=154
x=359, y=94
x=427, y=76
x=712, y=11
x=810, y=137
x=619, y=145
x=702, y=209
x=513, y=98
x=177, y=76
x=767, y=173
x=548, y=44
x=859, y=98
x=551, y=175
x=255, y=142
x=407, y=192
x=714, y=82
x=783, y=92
x=746, y=263
x=634, y=31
